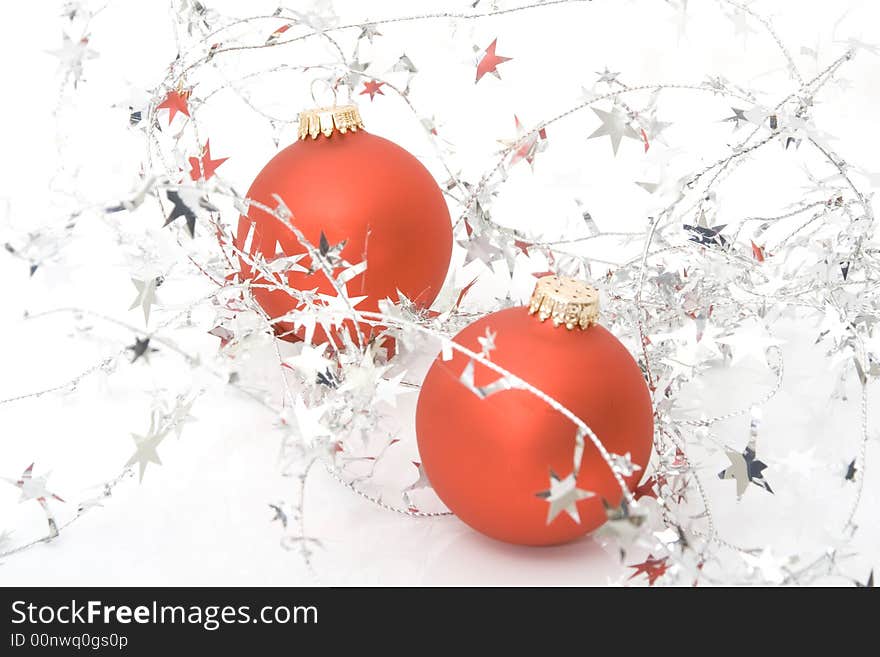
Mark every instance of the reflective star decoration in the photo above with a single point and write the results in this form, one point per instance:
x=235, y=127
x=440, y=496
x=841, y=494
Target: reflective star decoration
x=851, y=471
x=369, y=32
x=279, y=515
x=310, y=361
x=73, y=8
x=388, y=389
x=72, y=56
x=181, y=414
x=498, y=385
x=284, y=264
x=480, y=247
x=330, y=254
x=489, y=61
x=405, y=64
x=203, y=167
x=199, y=19
x=738, y=117
x=530, y=144
x=146, y=445
x=176, y=102
x=421, y=481
x=707, y=235
x=141, y=349
x=487, y=342
x=869, y=583
x=652, y=567
x=307, y=421
x=355, y=71
x=146, y=295
x=563, y=496
x=745, y=468
x=33, y=488
x=276, y=35
x=373, y=87
x=616, y=125
x=650, y=487
x=623, y=465
x=186, y=202
x=37, y=248
x=607, y=76
x=653, y=128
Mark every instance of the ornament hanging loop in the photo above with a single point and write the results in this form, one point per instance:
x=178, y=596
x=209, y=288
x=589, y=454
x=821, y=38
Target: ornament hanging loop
x=328, y=87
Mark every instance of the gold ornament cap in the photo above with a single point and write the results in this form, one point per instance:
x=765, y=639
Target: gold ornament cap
x=327, y=120
x=566, y=301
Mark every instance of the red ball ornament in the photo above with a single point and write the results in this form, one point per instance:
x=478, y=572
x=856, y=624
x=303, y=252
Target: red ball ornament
x=355, y=187
x=504, y=464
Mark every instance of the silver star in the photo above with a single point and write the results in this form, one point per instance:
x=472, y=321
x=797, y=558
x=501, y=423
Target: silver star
x=623, y=465
x=72, y=55
x=480, y=248
x=738, y=115
x=745, y=468
x=563, y=495
x=498, y=385
x=181, y=414
x=145, y=447
x=487, y=342
x=422, y=481
x=405, y=64
x=369, y=32
x=33, y=488
x=614, y=124
x=607, y=76
x=146, y=296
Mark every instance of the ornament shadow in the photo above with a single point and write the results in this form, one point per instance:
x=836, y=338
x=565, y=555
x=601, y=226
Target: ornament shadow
x=469, y=558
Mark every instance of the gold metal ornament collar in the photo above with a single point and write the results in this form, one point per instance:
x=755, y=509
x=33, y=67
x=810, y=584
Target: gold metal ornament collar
x=565, y=301
x=327, y=120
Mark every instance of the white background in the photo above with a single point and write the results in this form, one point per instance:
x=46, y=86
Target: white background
x=203, y=516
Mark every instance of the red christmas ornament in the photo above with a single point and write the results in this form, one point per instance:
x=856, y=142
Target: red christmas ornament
x=356, y=188
x=505, y=463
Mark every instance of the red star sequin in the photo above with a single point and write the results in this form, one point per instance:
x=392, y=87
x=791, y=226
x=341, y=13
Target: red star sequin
x=649, y=487
x=204, y=167
x=758, y=252
x=175, y=101
x=653, y=568
x=490, y=61
x=522, y=246
x=373, y=87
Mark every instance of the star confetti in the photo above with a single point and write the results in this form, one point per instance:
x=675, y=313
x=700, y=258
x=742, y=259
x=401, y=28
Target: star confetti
x=369, y=32
x=203, y=168
x=616, y=125
x=707, y=235
x=745, y=468
x=869, y=583
x=489, y=62
x=373, y=87
x=146, y=295
x=651, y=567
x=176, y=102
x=623, y=465
x=33, y=488
x=530, y=144
x=145, y=448
x=563, y=496
x=141, y=349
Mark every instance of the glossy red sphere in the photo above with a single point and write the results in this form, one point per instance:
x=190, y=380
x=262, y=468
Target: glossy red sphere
x=488, y=458
x=362, y=189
